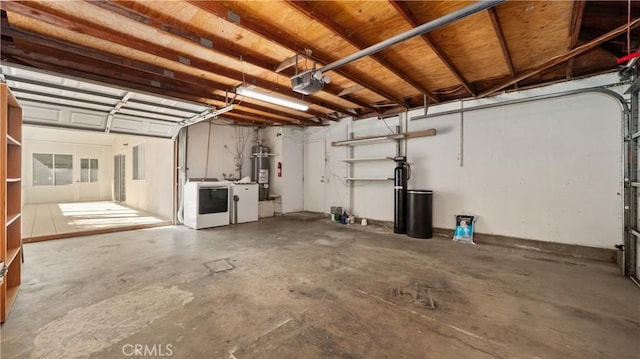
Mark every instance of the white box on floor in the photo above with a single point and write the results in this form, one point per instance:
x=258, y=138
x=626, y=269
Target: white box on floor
x=266, y=209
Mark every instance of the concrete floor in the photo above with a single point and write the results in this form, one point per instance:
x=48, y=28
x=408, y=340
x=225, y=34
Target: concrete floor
x=285, y=288
x=48, y=219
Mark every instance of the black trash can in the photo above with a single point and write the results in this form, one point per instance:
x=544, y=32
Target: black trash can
x=419, y=213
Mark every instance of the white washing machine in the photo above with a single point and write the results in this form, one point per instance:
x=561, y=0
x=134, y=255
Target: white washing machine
x=245, y=209
x=206, y=204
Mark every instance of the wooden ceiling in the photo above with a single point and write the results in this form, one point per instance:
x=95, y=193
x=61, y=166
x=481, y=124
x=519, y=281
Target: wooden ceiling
x=201, y=50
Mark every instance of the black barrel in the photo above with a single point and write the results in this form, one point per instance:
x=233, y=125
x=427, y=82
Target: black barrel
x=419, y=213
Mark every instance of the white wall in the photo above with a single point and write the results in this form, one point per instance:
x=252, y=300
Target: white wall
x=217, y=161
x=286, y=145
x=154, y=194
x=284, y=142
x=79, y=144
x=549, y=170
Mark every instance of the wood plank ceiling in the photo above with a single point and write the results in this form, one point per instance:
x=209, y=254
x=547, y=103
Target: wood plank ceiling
x=202, y=50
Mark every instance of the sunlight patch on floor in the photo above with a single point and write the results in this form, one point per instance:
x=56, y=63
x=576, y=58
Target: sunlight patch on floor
x=59, y=218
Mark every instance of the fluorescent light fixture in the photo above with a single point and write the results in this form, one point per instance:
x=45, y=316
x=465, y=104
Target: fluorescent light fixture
x=274, y=99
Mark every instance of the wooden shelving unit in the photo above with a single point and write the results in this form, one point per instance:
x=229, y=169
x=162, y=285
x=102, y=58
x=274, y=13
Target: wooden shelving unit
x=11, y=198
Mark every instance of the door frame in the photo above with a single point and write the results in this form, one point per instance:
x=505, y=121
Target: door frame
x=632, y=180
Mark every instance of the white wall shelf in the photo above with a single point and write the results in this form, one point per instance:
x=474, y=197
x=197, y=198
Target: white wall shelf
x=365, y=159
x=392, y=137
x=368, y=179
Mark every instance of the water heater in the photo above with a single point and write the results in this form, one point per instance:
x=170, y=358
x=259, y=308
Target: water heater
x=260, y=170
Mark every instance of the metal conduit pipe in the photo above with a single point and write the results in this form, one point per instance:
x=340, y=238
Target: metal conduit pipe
x=623, y=105
x=422, y=29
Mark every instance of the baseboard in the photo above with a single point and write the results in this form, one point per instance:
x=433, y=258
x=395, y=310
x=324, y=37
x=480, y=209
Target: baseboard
x=570, y=250
x=563, y=249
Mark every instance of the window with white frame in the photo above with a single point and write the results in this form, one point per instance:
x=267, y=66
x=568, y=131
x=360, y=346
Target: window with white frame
x=88, y=170
x=138, y=162
x=52, y=169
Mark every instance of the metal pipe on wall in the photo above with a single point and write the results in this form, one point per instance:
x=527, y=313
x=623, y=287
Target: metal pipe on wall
x=631, y=178
x=461, y=155
x=623, y=105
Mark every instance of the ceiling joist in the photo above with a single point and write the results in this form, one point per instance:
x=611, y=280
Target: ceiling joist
x=104, y=78
x=132, y=78
x=495, y=21
x=574, y=31
x=404, y=10
x=209, y=42
x=218, y=9
x=564, y=57
x=76, y=23
x=344, y=34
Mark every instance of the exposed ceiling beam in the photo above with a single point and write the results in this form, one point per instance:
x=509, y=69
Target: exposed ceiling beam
x=403, y=9
x=40, y=40
x=56, y=57
x=205, y=40
x=351, y=89
x=563, y=57
x=574, y=31
x=148, y=72
x=493, y=14
x=219, y=45
x=324, y=20
x=576, y=21
x=283, y=39
x=290, y=62
x=82, y=70
x=77, y=24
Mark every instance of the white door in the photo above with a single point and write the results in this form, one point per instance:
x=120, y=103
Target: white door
x=314, y=176
x=88, y=182
x=88, y=164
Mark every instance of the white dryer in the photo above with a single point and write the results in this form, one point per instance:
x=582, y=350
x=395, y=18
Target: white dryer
x=206, y=204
